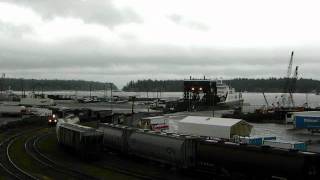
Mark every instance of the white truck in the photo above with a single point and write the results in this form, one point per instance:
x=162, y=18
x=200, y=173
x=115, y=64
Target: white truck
x=11, y=110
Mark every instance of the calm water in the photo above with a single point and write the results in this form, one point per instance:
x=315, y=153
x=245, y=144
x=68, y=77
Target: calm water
x=251, y=98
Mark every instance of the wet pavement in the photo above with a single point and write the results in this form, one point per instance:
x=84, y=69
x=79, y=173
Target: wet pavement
x=283, y=132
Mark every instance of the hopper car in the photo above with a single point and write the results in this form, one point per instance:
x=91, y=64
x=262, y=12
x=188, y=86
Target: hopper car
x=191, y=152
x=82, y=140
x=194, y=153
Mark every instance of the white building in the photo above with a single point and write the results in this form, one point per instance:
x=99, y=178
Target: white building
x=214, y=127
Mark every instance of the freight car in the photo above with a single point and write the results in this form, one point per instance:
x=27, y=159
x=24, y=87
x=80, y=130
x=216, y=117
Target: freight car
x=255, y=160
x=191, y=152
x=173, y=149
x=115, y=136
x=85, y=141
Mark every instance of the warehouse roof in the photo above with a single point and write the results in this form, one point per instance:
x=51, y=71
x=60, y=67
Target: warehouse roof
x=214, y=127
x=210, y=120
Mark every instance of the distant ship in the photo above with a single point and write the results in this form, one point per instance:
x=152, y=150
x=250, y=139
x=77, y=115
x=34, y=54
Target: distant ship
x=228, y=96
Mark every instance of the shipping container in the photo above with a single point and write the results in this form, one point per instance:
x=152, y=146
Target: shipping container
x=307, y=122
x=286, y=144
x=252, y=140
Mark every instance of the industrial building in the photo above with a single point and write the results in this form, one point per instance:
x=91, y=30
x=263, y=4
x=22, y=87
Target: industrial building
x=214, y=127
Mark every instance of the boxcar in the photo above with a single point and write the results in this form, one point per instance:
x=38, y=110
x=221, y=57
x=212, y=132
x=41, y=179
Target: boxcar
x=83, y=140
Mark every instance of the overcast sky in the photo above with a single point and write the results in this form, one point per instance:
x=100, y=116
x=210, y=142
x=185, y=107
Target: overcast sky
x=122, y=40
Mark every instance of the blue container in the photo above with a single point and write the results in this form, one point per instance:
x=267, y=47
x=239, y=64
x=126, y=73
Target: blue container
x=307, y=122
x=270, y=138
x=300, y=146
x=251, y=140
x=255, y=140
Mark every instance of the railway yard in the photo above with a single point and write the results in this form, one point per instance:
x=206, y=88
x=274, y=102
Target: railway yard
x=90, y=145
x=33, y=153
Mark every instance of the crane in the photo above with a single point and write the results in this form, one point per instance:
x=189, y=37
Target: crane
x=287, y=78
x=292, y=87
x=265, y=99
x=288, y=86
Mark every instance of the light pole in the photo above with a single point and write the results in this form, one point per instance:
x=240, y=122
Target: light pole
x=213, y=96
x=111, y=97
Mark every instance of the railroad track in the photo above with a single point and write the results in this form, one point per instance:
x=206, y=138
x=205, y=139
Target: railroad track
x=6, y=160
x=116, y=163
x=31, y=147
x=127, y=166
x=113, y=167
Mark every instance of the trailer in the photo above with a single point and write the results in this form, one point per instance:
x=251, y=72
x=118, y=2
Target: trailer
x=11, y=110
x=311, y=122
x=293, y=145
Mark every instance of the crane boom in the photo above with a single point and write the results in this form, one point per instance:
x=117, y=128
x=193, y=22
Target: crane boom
x=292, y=88
x=265, y=99
x=287, y=78
x=290, y=66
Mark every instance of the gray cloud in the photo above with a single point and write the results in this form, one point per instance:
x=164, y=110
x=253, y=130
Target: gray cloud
x=90, y=11
x=14, y=31
x=180, y=20
x=92, y=59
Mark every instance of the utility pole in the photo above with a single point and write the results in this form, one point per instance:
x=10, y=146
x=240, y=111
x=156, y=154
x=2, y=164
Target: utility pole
x=111, y=97
x=22, y=88
x=213, y=96
x=111, y=101
x=132, y=110
x=105, y=92
x=133, y=98
x=42, y=95
x=3, y=76
x=148, y=99
x=157, y=98
x=33, y=93
x=90, y=88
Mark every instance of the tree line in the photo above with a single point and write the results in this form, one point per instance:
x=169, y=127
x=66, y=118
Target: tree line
x=52, y=85
x=240, y=84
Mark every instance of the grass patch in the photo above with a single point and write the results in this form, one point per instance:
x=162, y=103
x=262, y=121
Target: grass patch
x=26, y=162
x=32, y=120
x=2, y=137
